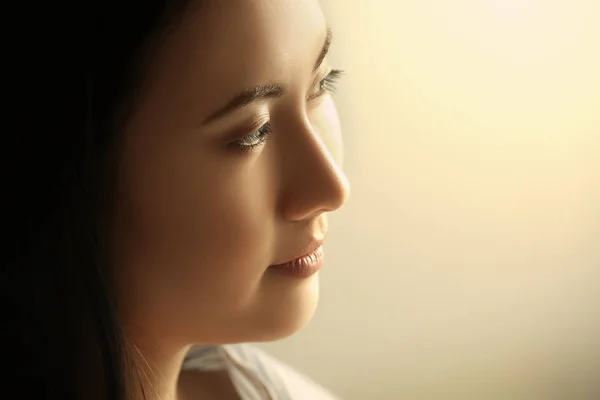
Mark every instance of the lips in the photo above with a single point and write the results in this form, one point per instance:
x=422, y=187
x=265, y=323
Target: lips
x=307, y=250
x=305, y=265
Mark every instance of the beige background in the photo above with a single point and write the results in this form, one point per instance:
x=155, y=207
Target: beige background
x=467, y=263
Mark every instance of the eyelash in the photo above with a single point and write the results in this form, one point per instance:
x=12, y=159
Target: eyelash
x=260, y=136
x=255, y=139
x=327, y=84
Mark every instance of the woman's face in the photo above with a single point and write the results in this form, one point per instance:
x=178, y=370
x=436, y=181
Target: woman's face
x=201, y=213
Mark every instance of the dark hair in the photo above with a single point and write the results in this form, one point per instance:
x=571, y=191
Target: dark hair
x=71, y=71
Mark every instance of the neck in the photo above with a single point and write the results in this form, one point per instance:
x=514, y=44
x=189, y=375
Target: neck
x=159, y=368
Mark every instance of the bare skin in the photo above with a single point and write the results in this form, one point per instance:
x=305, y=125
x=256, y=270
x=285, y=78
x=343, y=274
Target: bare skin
x=199, y=219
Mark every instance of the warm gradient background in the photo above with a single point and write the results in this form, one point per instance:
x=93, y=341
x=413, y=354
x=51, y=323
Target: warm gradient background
x=467, y=263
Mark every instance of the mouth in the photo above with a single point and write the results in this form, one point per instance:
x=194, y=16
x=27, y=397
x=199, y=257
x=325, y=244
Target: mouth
x=304, y=266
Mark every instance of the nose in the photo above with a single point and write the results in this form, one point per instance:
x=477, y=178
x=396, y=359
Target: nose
x=313, y=181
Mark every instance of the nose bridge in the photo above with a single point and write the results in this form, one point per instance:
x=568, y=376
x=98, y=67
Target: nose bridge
x=314, y=180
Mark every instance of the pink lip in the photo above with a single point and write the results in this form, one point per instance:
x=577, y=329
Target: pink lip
x=304, y=266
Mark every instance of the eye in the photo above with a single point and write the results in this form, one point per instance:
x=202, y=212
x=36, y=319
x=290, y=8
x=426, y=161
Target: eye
x=255, y=139
x=327, y=84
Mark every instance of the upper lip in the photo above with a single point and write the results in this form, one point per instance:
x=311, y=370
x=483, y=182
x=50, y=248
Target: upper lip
x=313, y=245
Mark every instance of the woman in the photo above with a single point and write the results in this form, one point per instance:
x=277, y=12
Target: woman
x=169, y=169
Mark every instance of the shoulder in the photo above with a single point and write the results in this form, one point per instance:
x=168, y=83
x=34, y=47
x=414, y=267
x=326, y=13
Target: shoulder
x=285, y=381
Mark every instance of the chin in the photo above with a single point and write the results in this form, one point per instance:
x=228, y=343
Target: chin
x=279, y=309
x=284, y=312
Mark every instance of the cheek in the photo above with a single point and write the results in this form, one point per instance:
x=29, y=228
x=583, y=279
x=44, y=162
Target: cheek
x=325, y=120
x=202, y=233
x=225, y=227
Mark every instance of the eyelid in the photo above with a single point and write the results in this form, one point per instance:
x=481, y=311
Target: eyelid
x=247, y=128
x=320, y=74
x=330, y=80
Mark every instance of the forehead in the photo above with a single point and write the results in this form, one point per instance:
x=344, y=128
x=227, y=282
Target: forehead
x=233, y=44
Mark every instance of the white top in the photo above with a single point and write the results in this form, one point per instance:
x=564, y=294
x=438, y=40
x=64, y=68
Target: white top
x=255, y=374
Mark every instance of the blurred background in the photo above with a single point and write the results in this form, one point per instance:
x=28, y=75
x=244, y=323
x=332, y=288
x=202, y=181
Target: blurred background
x=466, y=264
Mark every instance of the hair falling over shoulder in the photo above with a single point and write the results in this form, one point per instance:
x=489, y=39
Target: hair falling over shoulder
x=70, y=69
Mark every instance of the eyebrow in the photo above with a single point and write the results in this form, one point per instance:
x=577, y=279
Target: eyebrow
x=264, y=91
x=324, y=50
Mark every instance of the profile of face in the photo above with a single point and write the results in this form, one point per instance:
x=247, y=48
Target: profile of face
x=229, y=165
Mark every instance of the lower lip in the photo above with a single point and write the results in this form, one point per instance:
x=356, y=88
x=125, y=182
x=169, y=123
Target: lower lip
x=303, y=267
